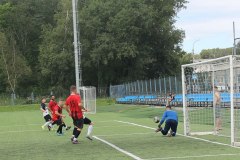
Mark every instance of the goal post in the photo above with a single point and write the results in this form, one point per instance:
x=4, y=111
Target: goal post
x=211, y=98
x=88, y=95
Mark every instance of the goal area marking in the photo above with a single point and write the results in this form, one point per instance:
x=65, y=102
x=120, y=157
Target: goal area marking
x=223, y=144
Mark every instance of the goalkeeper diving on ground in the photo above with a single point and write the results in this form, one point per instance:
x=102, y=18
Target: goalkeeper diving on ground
x=170, y=118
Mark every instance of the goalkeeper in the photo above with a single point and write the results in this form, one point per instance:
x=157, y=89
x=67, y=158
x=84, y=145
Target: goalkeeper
x=171, y=122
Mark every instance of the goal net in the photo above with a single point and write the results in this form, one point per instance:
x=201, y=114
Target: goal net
x=211, y=98
x=88, y=95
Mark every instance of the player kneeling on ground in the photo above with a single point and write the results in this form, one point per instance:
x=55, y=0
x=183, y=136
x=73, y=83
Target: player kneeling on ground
x=171, y=122
x=57, y=117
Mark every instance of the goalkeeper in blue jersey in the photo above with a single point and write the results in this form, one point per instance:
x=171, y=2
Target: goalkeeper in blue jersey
x=171, y=122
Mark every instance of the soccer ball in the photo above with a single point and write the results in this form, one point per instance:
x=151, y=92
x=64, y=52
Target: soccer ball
x=156, y=119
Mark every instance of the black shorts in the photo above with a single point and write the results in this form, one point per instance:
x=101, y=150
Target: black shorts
x=58, y=122
x=87, y=121
x=47, y=118
x=78, y=123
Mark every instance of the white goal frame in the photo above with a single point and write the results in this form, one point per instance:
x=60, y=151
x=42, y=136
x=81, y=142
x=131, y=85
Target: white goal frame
x=232, y=63
x=88, y=96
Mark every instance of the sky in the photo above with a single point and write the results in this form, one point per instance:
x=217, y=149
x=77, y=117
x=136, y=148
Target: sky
x=210, y=23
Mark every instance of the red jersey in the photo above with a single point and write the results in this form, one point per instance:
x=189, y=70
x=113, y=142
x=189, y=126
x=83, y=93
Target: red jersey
x=52, y=104
x=54, y=115
x=73, y=102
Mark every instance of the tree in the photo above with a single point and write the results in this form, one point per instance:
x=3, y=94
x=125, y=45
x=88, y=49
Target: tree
x=215, y=53
x=129, y=40
x=56, y=51
x=14, y=65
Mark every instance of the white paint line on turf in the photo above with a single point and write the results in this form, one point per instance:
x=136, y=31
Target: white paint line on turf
x=223, y=144
x=127, y=134
x=200, y=156
x=117, y=148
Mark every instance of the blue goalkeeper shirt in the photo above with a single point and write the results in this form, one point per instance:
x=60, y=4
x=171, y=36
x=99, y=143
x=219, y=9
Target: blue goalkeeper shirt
x=169, y=114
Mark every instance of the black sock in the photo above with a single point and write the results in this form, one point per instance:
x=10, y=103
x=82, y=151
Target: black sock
x=77, y=133
x=60, y=129
x=74, y=131
x=64, y=125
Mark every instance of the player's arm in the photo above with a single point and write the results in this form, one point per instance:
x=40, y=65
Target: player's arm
x=61, y=115
x=43, y=108
x=50, y=107
x=84, y=109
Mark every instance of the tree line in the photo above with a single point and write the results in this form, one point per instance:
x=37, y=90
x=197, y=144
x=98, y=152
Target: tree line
x=121, y=41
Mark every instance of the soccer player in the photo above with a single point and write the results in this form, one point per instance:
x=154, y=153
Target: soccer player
x=74, y=108
x=217, y=103
x=171, y=122
x=88, y=122
x=52, y=103
x=170, y=98
x=46, y=115
x=58, y=117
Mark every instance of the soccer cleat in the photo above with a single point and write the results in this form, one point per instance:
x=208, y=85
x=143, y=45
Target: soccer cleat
x=88, y=137
x=75, y=142
x=69, y=127
x=158, y=130
x=60, y=134
x=49, y=128
x=42, y=127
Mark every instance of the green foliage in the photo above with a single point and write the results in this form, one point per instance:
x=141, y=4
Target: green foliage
x=215, y=53
x=56, y=51
x=129, y=40
x=121, y=41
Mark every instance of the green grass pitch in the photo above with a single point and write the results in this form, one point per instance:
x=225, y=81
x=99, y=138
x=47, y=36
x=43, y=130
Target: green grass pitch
x=21, y=137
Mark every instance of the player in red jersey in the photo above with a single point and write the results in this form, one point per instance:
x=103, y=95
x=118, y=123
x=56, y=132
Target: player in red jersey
x=57, y=117
x=52, y=103
x=74, y=108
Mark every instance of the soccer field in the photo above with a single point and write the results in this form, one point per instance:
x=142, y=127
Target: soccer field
x=121, y=132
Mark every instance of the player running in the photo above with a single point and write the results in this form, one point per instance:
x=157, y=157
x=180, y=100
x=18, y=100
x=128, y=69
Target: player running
x=58, y=117
x=171, y=122
x=46, y=115
x=88, y=122
x=52, y=103
x=74, y=108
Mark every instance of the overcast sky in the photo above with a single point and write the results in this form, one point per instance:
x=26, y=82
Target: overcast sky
x=210, y=21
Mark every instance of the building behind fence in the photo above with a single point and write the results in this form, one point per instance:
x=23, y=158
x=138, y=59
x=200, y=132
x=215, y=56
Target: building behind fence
x=158, y=86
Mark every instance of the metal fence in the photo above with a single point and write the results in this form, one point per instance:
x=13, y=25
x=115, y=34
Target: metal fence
x=159, y=86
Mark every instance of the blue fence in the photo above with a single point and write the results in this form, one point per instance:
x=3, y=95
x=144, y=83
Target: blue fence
x=193, y=99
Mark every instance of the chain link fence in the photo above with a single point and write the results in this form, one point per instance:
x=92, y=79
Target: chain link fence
x=158, y=86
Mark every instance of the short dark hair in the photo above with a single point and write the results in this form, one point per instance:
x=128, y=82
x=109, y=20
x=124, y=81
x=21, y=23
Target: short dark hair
x=168, y=106
x=215, y=87
x=73, y=88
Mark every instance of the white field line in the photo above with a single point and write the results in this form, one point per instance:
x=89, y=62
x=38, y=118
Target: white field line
x=200, y=156
x=22, y=125
x=223, y=144
x=117, y=148
x=127, y=134
x=20, y=131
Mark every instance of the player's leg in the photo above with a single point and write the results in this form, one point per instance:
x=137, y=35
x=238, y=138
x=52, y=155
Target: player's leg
x=166, y=127
x=60, y=124
x=88, y=122
x=218, y=118
x=78, y=125
x=173, y=126
x=48, y=122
